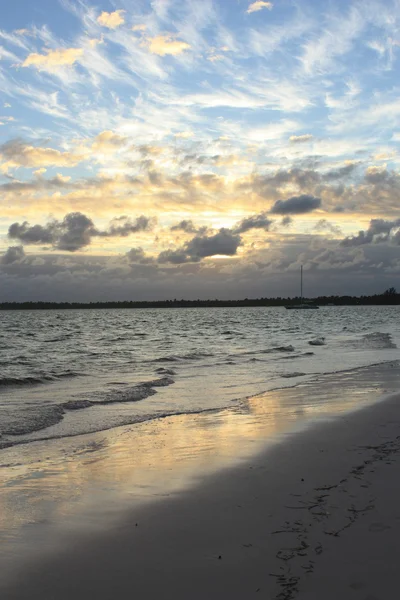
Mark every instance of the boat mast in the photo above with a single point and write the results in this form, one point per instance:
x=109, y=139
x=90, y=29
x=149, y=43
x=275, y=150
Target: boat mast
x=301, y=284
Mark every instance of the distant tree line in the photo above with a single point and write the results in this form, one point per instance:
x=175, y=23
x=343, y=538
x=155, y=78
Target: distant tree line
x=390, y=296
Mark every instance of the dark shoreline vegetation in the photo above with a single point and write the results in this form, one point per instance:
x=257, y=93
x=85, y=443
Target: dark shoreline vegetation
x=389, y=297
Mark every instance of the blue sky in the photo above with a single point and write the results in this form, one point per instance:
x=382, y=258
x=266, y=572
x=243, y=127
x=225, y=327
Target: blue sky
x=198, y=148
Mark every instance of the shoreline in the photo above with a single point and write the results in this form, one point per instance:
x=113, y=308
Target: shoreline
x=233, y=514
x=310, y=379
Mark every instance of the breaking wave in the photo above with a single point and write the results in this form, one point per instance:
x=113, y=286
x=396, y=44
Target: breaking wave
x=373, y=341
x=30, y=419
x=379, y=340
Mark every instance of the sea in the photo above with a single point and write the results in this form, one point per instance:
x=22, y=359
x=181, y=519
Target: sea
x=66, y=373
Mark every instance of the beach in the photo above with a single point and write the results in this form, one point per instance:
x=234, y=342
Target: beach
x=307, y=511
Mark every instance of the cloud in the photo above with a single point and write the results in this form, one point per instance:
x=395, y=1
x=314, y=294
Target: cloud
x=340, y=172
x=259, y=5
x=123, y=226
x=166, y=44
x=224, y=243
x=17, y=153
x=184, y=134
x=107, y=141
x=335, y=40
x=138, y=256
x=61, y=57
x=111, y=20
x=324, y=225
x=286, y=221
x=297, y=205
x=379, y=231
x=186, y=225
x=139, y=27
x=76, y=231
x=260, y=221
x=376, y=174
x=13, y=254
x=301, y=139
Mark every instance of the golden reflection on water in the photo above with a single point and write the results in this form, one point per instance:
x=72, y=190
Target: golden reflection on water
x=86, y=480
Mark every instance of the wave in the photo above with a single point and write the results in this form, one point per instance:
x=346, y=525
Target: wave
x=30, y=419
x=34, y=379
x=289, y=348
x=295, y=374
x=182, y=357
x=131, y=394
x=163, y=371
x=294, y=356
x=133, y=420
x=377, y=340
x=273, y=350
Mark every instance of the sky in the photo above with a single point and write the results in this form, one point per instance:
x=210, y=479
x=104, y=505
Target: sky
x=160, y=149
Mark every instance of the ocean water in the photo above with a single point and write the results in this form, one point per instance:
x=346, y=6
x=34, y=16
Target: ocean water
x=65, y=373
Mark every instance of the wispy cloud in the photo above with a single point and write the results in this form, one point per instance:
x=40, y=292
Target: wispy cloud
x=336, y=39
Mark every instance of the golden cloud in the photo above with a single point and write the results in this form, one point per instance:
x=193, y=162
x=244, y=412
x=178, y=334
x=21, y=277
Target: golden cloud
x=93, y=42
x=60, y=57
x=166, y=44
x=259, y=5
x=184, y=134
x=111, y=20
x=139, y=27
x=17, y=154
x=40, y=172
x=108, y=141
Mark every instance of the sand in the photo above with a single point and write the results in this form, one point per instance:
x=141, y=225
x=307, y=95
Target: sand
x=316, y=516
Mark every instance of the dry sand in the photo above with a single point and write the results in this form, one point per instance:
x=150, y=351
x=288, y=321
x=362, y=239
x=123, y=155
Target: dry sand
x=317, y=516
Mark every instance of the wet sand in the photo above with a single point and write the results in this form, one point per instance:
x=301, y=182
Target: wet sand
x=314, y=516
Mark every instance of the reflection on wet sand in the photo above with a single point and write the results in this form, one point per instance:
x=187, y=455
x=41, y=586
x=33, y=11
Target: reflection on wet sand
x=89, y=480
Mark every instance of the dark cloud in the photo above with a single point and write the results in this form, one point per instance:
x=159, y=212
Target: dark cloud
x=260, y=221
x=123, y=226
x=296, y=205
x=138, y=256
x=75, y=231
x=378, y=231
x=176, y=257
x=341, y=172
x=267, y=185
x=331, y=269
x=37, y=234
x=13, y=254
x=225, y=242
x=376, y=175
x=186, y=225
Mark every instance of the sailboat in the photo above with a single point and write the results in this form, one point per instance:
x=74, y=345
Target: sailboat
x=302, y=305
